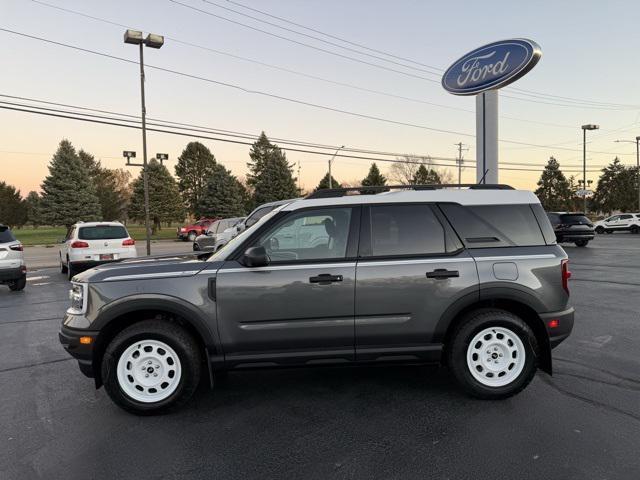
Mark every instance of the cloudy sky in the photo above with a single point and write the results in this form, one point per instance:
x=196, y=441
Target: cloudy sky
x=588, y=74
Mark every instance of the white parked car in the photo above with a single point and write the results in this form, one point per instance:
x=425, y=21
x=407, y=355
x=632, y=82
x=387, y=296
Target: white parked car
x=88, y=244
x=13, y=271
x=619, y=223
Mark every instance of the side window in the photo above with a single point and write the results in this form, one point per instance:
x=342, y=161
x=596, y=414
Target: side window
x=625, y=217
x=320, y=234
x=484, y=226
x=257, y=215
x=405, y=230
x=613, y=219
x=70, y=233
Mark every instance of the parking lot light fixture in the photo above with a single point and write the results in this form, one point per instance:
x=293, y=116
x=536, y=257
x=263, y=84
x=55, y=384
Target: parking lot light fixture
x=586, y=127
x=135, y=37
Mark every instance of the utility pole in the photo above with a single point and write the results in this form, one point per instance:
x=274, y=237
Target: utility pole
x=330, y=162
x=459, y=160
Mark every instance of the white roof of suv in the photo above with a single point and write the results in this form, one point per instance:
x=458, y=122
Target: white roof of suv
x=95, y=224
x=461, y=196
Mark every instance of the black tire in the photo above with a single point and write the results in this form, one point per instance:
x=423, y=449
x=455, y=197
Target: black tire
x=196, y=247
x=582, y=243
x=173, y=335
x=63, y=267
x=475, y=322
x=192, y=236
x=635, y=229
x=71, y=270
x=19, y=284
x=599, y=230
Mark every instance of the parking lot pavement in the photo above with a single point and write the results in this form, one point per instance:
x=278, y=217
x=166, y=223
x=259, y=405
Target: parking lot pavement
x=367, y=422
x=43, y=257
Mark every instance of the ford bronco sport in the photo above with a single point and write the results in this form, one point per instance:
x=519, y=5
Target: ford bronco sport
x=471, y=278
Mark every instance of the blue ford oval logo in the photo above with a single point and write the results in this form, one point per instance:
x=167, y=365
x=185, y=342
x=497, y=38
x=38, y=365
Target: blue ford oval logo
x=492, y=66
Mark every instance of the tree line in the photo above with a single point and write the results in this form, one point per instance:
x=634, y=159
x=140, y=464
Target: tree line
x=616, y=189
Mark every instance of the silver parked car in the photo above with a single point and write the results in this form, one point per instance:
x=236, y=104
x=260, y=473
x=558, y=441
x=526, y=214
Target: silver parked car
x=217, y=235
x=13, y=271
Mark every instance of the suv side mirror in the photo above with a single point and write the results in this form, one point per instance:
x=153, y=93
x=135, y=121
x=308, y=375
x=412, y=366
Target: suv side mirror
x=256, y=257
x=62, y=240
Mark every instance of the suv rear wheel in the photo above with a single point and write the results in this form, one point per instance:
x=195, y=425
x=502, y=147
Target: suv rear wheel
x=151, y=367
x=63, y=267
x=492, y=354
x=582, y=243
x=19, y=284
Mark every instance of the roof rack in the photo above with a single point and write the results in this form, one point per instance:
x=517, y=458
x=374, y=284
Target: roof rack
x=341, y=192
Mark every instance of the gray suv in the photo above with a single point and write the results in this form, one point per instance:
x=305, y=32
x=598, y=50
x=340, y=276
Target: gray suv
x=470, y=278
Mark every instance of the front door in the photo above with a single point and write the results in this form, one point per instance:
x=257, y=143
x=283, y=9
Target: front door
x=411, y=269
x=299, y=309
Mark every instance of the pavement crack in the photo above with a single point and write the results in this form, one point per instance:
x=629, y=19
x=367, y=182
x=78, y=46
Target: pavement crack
x=587, y=400
x=37, y=364
x=601, y=370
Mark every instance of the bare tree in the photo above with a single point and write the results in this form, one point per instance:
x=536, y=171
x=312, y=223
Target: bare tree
x=404, y=170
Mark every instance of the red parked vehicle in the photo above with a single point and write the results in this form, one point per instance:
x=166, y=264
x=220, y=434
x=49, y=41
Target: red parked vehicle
x=190, y=232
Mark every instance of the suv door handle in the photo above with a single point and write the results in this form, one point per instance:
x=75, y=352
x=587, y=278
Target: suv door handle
x=443, y=273
x=325, y=279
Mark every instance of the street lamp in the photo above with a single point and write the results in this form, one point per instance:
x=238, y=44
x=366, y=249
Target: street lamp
x=134, y=37
x=330, y=162
x=589, y=126
x=637, y=142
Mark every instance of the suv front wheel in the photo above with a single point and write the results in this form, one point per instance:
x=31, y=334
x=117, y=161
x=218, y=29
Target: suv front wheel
x=151, y=367
x=492, y=354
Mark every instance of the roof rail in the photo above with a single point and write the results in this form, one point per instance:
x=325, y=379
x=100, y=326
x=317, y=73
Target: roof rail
x=341, y=192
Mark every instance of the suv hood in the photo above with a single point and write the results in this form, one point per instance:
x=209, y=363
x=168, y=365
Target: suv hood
x=158, y=266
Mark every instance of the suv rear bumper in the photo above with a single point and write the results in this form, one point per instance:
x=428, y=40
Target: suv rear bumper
x=70, y=340
x=572, y=237
x=564, y=326
x=10, y=274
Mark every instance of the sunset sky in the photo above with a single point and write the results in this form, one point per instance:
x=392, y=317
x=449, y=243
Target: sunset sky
x=589, y=73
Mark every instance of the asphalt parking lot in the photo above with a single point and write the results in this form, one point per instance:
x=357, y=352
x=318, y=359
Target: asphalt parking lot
x=368, y=422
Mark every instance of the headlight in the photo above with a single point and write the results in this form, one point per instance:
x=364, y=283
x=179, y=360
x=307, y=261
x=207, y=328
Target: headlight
x=78, y=298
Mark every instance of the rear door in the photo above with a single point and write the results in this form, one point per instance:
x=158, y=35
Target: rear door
x=624, y=222
x=299, y=308
x=411, y=268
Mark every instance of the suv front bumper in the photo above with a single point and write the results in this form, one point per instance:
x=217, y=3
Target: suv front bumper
x=83, y=352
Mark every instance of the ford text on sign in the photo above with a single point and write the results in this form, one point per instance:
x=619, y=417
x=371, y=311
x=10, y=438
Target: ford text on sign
x=491, y=67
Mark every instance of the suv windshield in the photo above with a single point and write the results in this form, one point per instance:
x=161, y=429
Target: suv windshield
x=102, y=232
x=6, y=235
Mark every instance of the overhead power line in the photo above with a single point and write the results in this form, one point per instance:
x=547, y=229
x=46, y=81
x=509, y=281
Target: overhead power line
x=276, y=96
x=104, y=120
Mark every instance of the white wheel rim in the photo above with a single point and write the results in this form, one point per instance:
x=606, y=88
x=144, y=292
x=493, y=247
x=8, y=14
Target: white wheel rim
x=149, y=371
x=496, y=356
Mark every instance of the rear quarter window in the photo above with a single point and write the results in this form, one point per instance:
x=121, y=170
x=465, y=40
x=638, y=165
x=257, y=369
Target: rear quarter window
x=483, y=226
x=102, y=232
x=6, y=235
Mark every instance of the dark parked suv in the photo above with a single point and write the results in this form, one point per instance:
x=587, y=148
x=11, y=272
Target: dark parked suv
x=471, y=278
x=572, y=228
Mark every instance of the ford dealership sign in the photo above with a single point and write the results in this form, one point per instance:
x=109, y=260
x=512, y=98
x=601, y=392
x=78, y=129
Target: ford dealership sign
x=492, y=66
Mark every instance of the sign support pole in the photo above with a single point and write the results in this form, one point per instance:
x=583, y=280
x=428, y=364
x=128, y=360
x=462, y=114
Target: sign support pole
x=487, y=137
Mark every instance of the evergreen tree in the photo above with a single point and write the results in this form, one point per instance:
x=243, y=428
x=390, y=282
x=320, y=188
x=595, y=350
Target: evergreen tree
x=164, y=198
x=112, y=189
x=617, y=188
x=425, y=176
x=89, y=161
x=195, y=165
x=553, y=188
x=374, y=178
x=224, y=196
x=324, y=183
x=32, y=206
x=68, y=192
x=12, y=207
x=270, y=174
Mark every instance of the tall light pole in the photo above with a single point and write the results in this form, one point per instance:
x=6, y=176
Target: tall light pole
x=637, y=142
x=134, y=37
x=330, y=162
x=589, y=126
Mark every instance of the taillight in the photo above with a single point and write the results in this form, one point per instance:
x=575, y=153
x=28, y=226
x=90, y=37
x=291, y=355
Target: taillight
x=17, y=248
x=79, y=244
x=566, y=275
x=128, y=242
